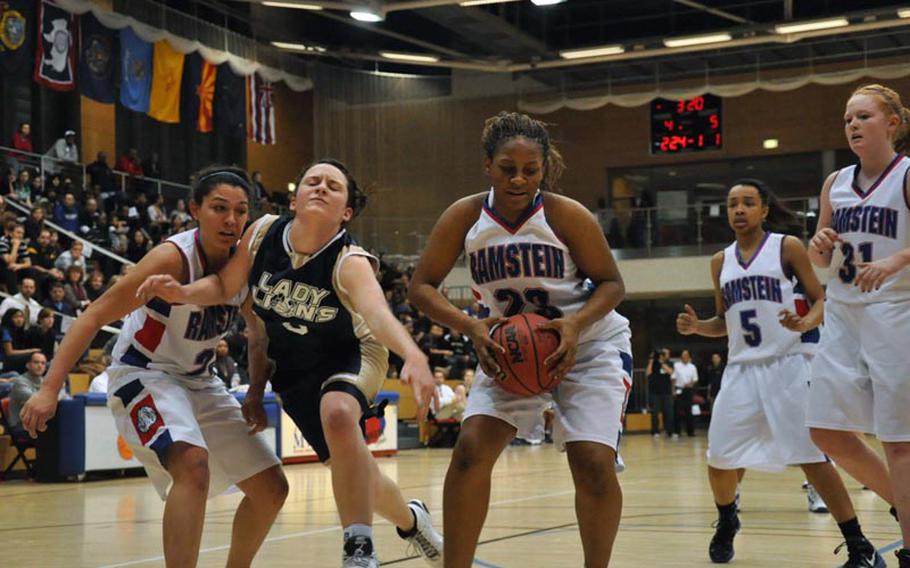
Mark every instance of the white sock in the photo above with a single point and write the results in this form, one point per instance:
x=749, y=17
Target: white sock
x=358, y=529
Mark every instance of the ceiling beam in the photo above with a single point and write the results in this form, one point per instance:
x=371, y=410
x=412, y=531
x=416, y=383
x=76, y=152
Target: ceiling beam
x=714, y=11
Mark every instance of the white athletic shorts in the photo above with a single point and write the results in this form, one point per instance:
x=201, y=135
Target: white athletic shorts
x=152, y=410
x=589, y=403
x=861, y=372
x=759, y=417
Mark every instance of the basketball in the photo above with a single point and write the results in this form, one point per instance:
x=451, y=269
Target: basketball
x=527, y=347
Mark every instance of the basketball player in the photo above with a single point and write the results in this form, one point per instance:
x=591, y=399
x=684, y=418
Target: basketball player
x=528, y=249
x=761, y=283
x=860, y=377
x=327, y=323
x=179, y=421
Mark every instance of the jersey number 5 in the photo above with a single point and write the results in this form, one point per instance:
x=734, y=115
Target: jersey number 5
x=847, y=272
x=537, y=297
x=752, y=331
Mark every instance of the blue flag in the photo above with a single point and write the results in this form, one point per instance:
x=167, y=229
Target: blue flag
x=135, y=71
x=97, y=59
x=230, y=103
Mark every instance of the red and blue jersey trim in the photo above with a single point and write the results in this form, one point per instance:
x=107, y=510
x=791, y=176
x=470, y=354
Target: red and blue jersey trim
x=535, y=206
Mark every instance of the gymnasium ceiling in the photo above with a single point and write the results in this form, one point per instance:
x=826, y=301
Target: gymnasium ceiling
x=525, y=39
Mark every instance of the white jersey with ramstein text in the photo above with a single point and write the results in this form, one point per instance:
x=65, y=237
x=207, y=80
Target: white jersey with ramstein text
x=178, y=339
x=525, y=268
x=872, y=225
x=754, y=293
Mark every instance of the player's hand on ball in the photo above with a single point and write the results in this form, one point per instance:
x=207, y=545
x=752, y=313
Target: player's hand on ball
x=416, y=372
x=254, y=413
x=792, y=321
x=162, y=286
x=39, y=408
x=824, y=241
x=484, y=346
x=561, y=361
x=687, y=321
x=872, y=275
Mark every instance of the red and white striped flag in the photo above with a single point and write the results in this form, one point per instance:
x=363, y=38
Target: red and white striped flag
x=261, y=110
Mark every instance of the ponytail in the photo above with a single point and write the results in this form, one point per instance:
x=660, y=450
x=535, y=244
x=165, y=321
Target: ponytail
x=780, y=219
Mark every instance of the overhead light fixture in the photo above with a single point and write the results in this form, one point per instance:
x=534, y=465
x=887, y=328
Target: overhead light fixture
x=366, y=16
x=413, y=58
x=299, y=47
x=687, y=41
x=811, y=26
x=292, y=5
x=482, y=2
x=904, y=13
x=770, y=143
x=592, y=51
x=546, y=2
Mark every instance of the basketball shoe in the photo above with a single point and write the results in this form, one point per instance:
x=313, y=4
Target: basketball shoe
x=721, y=548
x=423, y=537
x=816, y=503
x=861, y=554
x=359, y=553
x=903, y=556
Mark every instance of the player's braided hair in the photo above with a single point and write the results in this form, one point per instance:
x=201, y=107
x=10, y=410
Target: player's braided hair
x=781, y=219
x=891, y=103
x=508, y=125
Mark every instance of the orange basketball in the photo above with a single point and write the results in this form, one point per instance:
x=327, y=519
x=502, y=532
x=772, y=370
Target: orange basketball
x=527, y=347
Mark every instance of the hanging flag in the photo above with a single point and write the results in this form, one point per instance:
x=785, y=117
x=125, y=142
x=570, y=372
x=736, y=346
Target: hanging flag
x=135, y=71
x=17, y=20
x=230, y=103
x=261, y=110
x=164, y=104
x=55, y=58
x=205, y=93
x=198, y=91
x=98, y=47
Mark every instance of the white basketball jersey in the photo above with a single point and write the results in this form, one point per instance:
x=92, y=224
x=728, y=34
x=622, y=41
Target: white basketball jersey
x=754, y=293
x=872, y=225
x=525, y=268
x=178, y=339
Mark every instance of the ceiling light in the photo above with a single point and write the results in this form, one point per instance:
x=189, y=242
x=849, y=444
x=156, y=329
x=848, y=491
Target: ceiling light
x=409, y=57
x=811, y=26
x=770, y=143
x=697, y=40
x=365, y=16
x=292, y=5
x=592, y=51
x=299, y=47
x=905, y=13
x=546, y=2
x=482, y=2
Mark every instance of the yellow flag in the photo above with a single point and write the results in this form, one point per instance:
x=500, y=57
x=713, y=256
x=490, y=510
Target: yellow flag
x=167, y=66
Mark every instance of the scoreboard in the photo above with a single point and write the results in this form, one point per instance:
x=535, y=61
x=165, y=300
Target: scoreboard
x=686, y=125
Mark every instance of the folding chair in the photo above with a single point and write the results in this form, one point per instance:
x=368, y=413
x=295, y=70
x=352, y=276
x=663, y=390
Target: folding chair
x=21, y=441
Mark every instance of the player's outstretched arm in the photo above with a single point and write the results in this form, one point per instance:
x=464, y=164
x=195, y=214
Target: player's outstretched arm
x=687, y=322
x=358, y=280
x=114, y=304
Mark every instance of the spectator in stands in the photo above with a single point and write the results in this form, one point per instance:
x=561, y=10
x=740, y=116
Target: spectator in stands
x=180, y=213
x=43, y=335
x=9, y=182
x=118, y=235
x=37, y=191
x=72, y=256
x=130, y=164
x=437, y=348
x=35, y=223
x=714, y=373
x=23, y=301
x=22, y=188
x=139, y=245
x=463, y=356
x=685, y=377
x=92, y=222
x=74, y=292
x=15, y=339
x=64, y=149
x=43, y=255
x=66, y=213
x=448, y=404
x=27, y=384
x=14, y=255
x=259, y=190
x=151, y=167
x=102, y=176
x=95, y=286
x=660, y=393
x=22, y=140
x=224, y=366
x=57, y=301
x=157, y=214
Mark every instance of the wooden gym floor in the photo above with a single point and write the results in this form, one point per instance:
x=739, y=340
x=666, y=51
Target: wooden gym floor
x=666, y=519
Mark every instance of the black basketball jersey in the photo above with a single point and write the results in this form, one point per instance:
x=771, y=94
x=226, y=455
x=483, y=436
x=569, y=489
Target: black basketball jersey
x=314, y=332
